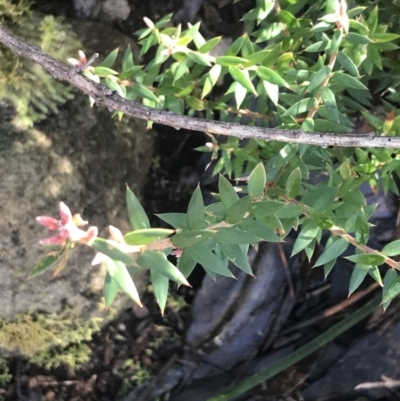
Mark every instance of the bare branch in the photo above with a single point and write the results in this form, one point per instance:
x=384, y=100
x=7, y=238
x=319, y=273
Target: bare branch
x=103, y=95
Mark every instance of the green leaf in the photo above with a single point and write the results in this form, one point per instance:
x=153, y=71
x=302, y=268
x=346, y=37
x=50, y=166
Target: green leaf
x=266, y=74
x=309, y=231
x=289, y=212
x=186, y=263
x=367, y=259
x=390, y=277
x=188, y=238
x=106, y=248
x=267, y=208
x=137, y=216
x=332, y=251
x=238, y=210
x=242, y=76
x=259, y=229
x=210, y=44
x=111, y=289
x=328, y=267
x=227, y=192
x=347, y=63
x=104, y=71
x=46, y=262
x=318, y=46
x=195, y=212
x=376, y=275
x=145, y=93
x=257, y=181
x=330, y=103
x=230, y=61
x=236, y=255
x=121, y=276
x=301, y=107
x=240, y=94
x=147, y=236
x=336, y=41
x=345, y=171
x=321, y=198
x=233, y=236
x=211, y=79
x=199, y=58
x=205, y=257
x=362, y=229
x=392, y=249
x=176, y=220
x=156, y=260
x=348, y=81
x=357, y=277
x=127, y=61
x=160, y=285
x=293, y=183
x=110, y=59
x=358, y=39
x=319, y=78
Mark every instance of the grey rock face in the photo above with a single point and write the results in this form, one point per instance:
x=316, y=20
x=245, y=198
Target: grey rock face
x=81, y=156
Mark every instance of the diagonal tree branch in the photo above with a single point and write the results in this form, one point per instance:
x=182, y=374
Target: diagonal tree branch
x=103, y=95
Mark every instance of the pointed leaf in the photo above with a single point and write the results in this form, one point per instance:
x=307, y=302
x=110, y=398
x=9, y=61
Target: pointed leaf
x=259, y=229
x=348, y=81
x=301, y=107
x=233, y=235
x=122, y=277
x=376, y=275
x=147, y=236
x=106, y=248
x=318, y=78
x=308, y=233
x=176, y=220
x=330, y=103
x=160, y=285
x=357, y=277
x=110, y=59
x=137, y=215
x=208, y=260
x=236, y=255
x=158, y=261
x=195, y=212
x=188, y=238
x=257, y=181
x=111, y=289
x=347, y=63
x=390, y=277
x=242, y=76
x=266, y=74
x=46, y=262
x=367, y=259
x=186, y=264
x=293, y=183
x=328, y=267
x=332, y=252
x=238, y=210
x=392, y=249
x=227, y=192
x=267, y=208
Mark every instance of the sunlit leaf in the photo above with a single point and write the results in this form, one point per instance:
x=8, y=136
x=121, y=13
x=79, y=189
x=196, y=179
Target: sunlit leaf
x=137, y=216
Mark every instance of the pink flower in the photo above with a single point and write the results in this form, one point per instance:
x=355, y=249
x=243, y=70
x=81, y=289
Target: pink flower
x=67, y=228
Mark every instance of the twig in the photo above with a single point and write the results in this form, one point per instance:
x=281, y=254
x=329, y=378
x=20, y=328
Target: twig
x=102, y=95
x=332, y=310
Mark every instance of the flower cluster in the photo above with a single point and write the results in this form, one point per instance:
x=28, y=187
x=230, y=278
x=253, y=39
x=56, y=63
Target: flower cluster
x=67, y=228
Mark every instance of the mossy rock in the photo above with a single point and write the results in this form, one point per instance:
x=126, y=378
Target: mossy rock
x=81, y=156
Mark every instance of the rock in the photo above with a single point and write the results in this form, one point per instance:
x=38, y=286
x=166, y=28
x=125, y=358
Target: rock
x=374, y=356
x=104, y=10
x=81, y=156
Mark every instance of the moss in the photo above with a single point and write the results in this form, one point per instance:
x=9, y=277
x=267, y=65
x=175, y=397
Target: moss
x=5, y=376
x=49, y=340
x=31, y=90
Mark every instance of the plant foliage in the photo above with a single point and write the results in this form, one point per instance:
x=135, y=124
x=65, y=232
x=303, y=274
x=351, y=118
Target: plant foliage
x=310, y=65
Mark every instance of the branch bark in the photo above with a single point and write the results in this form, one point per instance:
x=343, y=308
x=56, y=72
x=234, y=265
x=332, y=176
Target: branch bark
x=103, y=95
